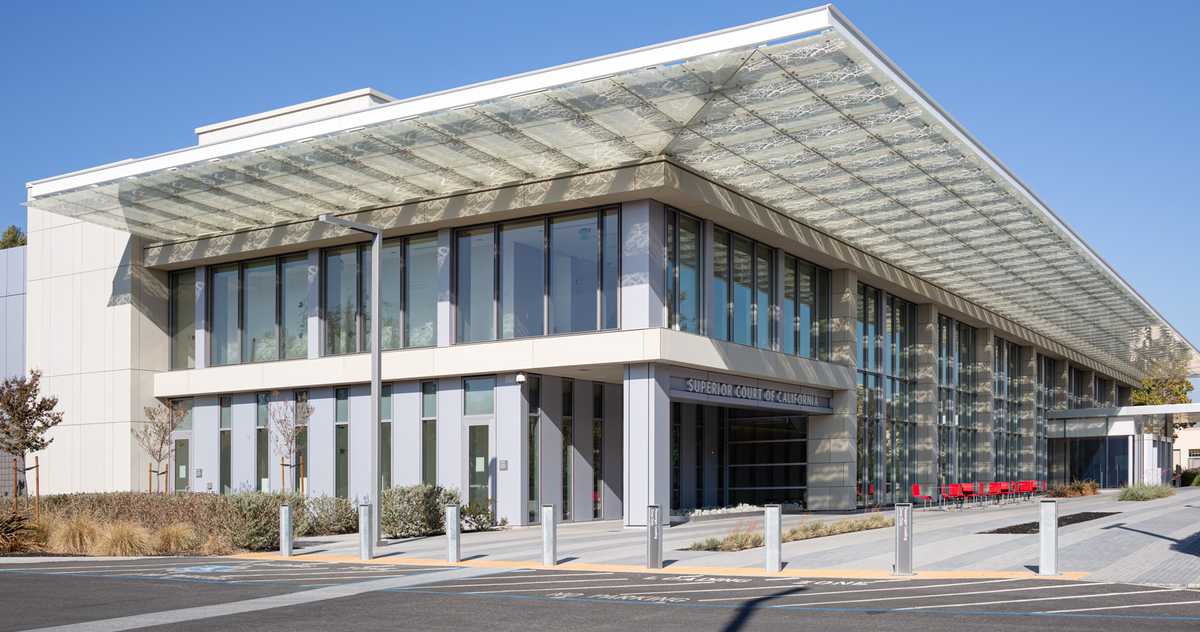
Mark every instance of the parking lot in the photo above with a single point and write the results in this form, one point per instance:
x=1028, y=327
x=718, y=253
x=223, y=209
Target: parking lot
x=220, y=593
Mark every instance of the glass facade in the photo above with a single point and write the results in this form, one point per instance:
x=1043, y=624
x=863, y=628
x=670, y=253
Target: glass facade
x=183, y=319
x=225, y=432
x=956, y=447
x=685, y=272
x=568, y=444
x=341, y=439
x=224, y=310
x=1044, y=403
x=548, y=275
x=886, y=438
x=533, y=390
x=1008, y=389
x=385, y=437
x=429, y=409
x=262, y=441
x=346, y=296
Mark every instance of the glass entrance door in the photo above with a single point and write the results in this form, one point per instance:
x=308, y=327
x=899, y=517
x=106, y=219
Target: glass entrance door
x=181, y=465
x=478, y=456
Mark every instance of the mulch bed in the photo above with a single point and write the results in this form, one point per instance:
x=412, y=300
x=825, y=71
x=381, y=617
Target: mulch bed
x=1075, y=518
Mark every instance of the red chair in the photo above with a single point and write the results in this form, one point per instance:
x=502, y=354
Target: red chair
x=1025, y=489
x=953, y=493
x=996, y=490
x=916, y=494
x=969, y=493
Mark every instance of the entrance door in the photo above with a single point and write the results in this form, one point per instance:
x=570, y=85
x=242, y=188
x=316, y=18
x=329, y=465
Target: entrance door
x=182, y=477
x=478, y=455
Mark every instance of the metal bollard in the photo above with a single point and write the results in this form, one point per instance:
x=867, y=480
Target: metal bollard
x=904, y=540
x=653, y=538
x=1048, y=535
x=453, y=535
x=285, y=530
x=549, y=535
x=366, y=535
x=773, y=537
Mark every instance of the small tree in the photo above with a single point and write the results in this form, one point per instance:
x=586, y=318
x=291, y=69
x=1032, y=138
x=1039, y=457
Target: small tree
x=13, y=236
x=1156, y=390
x=155, y=437
x=288, y=422
x=26, y=416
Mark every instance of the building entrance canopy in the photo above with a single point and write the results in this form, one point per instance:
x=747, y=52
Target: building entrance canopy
x=799, y=113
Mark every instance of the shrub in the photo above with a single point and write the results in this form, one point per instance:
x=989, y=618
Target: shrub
x=415, y=510
x=811, y=530
x=72, y=535
x=480, y=517
x=1190, y=478
x=176, y=539
x=328, y=515
x=17, y=533
x=707, y=544
x=742, y=539
x=122, y=539
x=1142, y=491
x=152, y=511
x=216, y=545
x=255, y=520
x=1074, y=489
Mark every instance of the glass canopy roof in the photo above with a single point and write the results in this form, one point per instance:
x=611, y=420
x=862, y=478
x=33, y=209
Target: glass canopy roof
x=816, y=125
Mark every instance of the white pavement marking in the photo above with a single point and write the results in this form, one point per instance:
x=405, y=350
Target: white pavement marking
x=168, y=617
x=97, y=569
x=910, y=597
x=518, y=582
x=518, y=577
x=307, y=579
x=837, y=592
x=989, y=603
x=605, y=586
x=1132, y=605
x=306, y=573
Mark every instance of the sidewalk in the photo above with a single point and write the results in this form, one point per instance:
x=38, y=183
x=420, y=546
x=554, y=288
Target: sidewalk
x=1154, y=542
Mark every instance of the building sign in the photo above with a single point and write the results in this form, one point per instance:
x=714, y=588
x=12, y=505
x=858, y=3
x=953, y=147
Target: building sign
x=717, y=392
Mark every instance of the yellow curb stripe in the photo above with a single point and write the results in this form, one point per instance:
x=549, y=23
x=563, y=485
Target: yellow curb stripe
x=672, y=570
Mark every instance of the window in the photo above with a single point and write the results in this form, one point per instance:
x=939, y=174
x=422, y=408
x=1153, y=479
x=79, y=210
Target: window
x=293, y=315
x=956, y=449
x=1007, y=436
x=556, y=274
x=475, y=286
x=764, y=292
x=718, y=323
x=385, y=437
x=1044, y=402
x=390, y=255
x=684, y=272
x=522, y=279
x=429, y=433
x=341, y=300
x=183, y=319
x=262, y=441
x=568, y=440
x=223, y=313
x=478, y=457
x=743, y=290
x=301, y=409
x=477, y=395
x=533, y=388
x=341, y=477
x=421, y=285
x=574, y=272
x=226, y=446
x=885, y=348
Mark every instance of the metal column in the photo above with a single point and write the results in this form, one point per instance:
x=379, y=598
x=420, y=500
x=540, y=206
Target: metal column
x=549, y=535
x=285, y=530
x=653, y=538
x=773, y=536
x=453, y=535
x=1048, y=537
x=904, y=540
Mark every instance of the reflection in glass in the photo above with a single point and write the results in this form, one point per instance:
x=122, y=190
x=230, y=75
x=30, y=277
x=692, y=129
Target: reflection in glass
x=477, y=395
x=522, y=278
x=718, y=323
x=183, y=319
x=743, y=288
x=389, y=296
x=476, y=280
x=294, y=315
x=261, y=341
x=478, y=456
x=226, y=343
x=574, y=273
x=341, y=300
x=787, y=311
x=763, y=287
x=688, y=313
x=421, y=274
x=429, y=433
x=612, y=266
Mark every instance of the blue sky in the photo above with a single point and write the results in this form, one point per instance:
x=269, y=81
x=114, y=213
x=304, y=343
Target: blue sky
x=1095, y=111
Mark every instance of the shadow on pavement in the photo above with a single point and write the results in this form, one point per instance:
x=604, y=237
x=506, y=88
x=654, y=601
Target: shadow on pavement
x=746, y=610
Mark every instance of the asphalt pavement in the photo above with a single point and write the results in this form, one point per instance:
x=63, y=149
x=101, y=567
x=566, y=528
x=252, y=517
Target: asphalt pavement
x=225, y=593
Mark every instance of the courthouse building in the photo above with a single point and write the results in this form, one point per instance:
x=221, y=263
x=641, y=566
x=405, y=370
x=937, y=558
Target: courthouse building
x=757, y=265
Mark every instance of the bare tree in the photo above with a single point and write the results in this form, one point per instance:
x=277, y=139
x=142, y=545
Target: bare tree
x=155, y=437
x=25, y=416
x=289, y=422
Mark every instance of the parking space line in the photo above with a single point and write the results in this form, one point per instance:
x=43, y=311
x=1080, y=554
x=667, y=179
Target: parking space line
x=1132, y=605
x=532, y=576
x=605, y=586
x=94, y=568
x=954, y=594
x=518, y=582
x=366, y=572
x=1006, y=601
x=832, y=592
x=309, y=579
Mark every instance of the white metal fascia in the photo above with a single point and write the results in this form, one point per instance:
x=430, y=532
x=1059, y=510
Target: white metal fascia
x=1126, y=411
x=865, y=47
x=782, y=27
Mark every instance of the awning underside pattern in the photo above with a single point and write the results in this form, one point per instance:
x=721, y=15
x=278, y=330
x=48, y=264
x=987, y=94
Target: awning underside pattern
x=808, y=127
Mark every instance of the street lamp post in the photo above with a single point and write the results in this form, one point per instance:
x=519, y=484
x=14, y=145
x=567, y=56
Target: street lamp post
x=376, y=366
